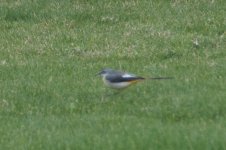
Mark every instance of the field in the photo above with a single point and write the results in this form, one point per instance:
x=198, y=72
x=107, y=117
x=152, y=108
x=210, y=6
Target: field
x=51, y=51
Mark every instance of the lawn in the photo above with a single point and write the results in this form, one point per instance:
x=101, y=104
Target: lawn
x=51, y=98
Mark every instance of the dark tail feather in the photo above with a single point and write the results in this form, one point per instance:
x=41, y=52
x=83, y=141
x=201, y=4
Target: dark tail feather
x=160, y=78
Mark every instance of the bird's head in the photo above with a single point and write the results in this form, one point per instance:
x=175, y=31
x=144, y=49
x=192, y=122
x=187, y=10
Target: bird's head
x=105, y=71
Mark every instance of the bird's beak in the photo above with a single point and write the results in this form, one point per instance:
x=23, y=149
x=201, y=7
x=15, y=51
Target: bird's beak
x=99, y=73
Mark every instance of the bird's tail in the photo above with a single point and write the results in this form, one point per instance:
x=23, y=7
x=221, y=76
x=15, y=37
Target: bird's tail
x=159, y=78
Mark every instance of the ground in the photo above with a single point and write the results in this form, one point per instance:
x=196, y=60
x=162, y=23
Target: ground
x=51, y=97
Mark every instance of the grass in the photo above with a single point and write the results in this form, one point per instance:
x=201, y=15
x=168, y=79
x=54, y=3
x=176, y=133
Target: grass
x=51, y=50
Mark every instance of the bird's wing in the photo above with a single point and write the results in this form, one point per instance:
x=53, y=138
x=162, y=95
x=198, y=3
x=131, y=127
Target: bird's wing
x=122, y=77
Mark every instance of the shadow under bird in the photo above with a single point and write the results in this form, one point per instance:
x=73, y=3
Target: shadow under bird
x=119, y=80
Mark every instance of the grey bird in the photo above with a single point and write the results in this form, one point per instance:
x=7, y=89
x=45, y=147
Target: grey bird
x=118, y=80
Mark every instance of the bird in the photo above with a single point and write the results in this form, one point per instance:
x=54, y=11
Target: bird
x=117, y=79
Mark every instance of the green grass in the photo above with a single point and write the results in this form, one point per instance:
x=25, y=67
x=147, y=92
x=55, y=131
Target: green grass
x=51, y=50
